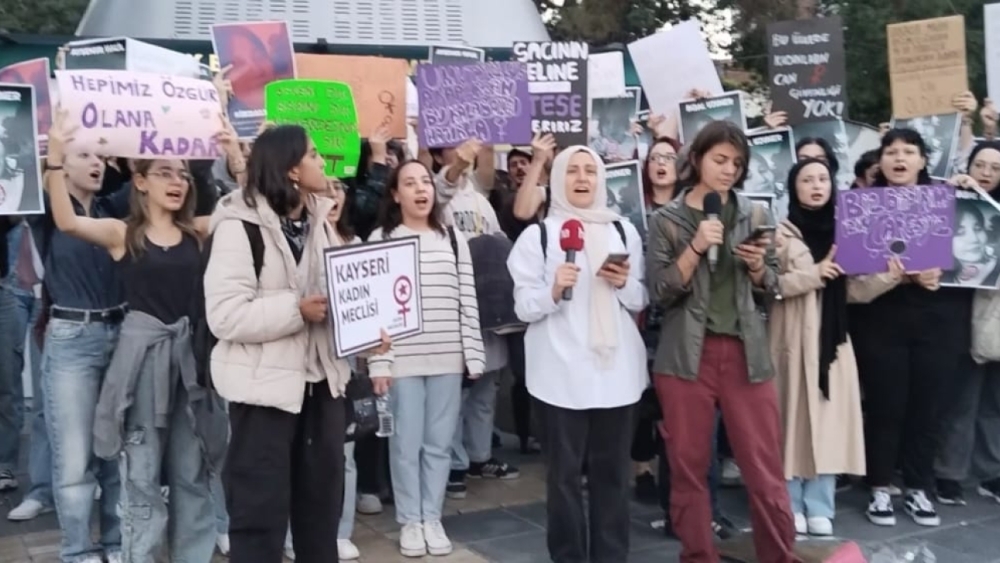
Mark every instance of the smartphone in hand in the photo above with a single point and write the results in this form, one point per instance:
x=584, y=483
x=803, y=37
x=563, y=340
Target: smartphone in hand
x=615, y=258
x=759, y=233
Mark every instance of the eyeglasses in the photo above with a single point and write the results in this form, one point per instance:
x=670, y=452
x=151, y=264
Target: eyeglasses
x=172, y=176
x=663, y=158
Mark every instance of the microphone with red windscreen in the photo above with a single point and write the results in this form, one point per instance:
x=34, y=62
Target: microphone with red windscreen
x=571, y=241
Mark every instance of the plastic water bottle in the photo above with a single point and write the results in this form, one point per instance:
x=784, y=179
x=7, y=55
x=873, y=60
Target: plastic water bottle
x=386, y=422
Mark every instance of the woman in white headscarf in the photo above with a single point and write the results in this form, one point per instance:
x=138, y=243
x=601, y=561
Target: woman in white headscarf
x=584, y=356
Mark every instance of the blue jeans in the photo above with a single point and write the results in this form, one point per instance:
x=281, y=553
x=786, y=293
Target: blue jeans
x=473, y=441
x=814, y=497
x=74, y=360
x=426, y=410
x=19, y=311
x=177, y=451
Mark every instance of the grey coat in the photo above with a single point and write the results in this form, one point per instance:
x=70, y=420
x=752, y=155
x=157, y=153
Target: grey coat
x=685, y=306
x=149, y=348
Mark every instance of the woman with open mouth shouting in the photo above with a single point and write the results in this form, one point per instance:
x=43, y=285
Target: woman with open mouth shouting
x=150, y=395
x=909, y=339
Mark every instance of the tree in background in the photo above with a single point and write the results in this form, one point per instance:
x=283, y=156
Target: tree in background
x=52, y=17
x=865, y=41
x=601, y=22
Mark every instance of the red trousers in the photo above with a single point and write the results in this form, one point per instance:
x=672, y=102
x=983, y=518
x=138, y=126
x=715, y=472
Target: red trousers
x=750, y=412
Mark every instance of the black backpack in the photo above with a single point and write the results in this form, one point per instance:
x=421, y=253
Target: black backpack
x=202, y=340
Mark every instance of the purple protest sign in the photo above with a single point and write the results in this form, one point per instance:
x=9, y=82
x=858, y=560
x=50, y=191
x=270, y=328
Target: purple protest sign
x=915, y=224
x=485, y=101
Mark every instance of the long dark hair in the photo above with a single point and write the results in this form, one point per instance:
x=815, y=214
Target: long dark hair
x=390, y=215
x=995, y=145
x=274, y=153
x=714, y=134
x=647, y=182
x=910, y=137
x=831, y=157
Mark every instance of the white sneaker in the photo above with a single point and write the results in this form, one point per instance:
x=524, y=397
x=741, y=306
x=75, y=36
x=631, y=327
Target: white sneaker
x=347, y=551
x=29, y=509
x=369, y=504
x=437, y=541
x=731, y=474
x=222, y=542
x=880, y=511
x=921, y=509
x=115, y=557
x=819, y=526
x=801, y=528
x=289, y=550
x=411, y=541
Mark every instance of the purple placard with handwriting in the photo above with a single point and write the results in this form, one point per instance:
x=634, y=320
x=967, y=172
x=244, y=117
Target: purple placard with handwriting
x=486, y=101
x=915, y=224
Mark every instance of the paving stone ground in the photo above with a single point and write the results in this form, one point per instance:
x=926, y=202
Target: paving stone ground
x=504, y=522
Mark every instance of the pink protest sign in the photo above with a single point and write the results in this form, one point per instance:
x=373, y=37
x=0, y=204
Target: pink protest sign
x=140, y=115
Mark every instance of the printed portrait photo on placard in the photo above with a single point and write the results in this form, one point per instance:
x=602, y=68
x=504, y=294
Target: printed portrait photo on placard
x=764, y=200
x=20, y=184
x=941, y=133
x=614, y=128
x=624, y=181
x=976, y=243
x=834, y=133
x=695, y=114
x=772, y=154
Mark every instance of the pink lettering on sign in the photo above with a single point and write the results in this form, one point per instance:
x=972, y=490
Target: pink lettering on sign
x=140, y=115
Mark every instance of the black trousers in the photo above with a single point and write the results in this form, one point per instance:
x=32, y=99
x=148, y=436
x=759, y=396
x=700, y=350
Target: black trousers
x=645, y=442
x=280, y=467
x=599, y=438
x=371, y=454
x=519, y=398
x=904, y=371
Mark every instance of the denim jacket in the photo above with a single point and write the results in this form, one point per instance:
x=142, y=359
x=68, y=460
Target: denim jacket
x=685, y=306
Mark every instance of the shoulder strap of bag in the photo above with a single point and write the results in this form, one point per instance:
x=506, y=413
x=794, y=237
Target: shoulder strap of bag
x=454, y=243
x=544, y=237
x=256, y=246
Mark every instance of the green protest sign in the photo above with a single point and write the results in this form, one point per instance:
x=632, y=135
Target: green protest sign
x=326, y=110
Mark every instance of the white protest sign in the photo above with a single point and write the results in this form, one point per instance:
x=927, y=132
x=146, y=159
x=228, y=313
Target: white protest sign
x=373, y=287
x=991, y=25
x=667, y=80
x=606, y=75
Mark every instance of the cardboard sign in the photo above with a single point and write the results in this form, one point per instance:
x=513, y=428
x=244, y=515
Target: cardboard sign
x=373, y=287
x=35, y=73
x=485, y=101
x=456, y=55
x=914, y=224
x=690, y=66
x=696, y=114
x=806, y=67
x=927, y=65
x=20, y=176
x=378, y=84
x=991, y=29
x=557, y=75
x=326, y=110
x=139, y=115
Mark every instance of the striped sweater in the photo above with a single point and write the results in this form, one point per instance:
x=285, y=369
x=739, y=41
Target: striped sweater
x=451, y=341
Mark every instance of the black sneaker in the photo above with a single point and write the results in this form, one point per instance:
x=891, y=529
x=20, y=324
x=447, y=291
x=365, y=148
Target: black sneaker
x=7, y=481
x=990, y=489
x=921, y=509
x=456, y=488
x=880, y=511
x=493, y=469
x=723, y=528
x=645, y=488
x=950, y=493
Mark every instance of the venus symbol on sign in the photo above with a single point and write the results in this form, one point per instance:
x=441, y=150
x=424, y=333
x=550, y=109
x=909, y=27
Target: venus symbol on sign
x=402, y=291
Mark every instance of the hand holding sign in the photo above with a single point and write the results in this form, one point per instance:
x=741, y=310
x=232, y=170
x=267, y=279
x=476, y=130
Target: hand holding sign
x=965, y=103
x=379, y=142
x=928, y=279
x=828, y=269
x=468, y=150
x=60, y=135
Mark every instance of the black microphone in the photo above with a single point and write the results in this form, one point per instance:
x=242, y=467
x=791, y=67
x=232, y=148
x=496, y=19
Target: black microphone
x=712, y=206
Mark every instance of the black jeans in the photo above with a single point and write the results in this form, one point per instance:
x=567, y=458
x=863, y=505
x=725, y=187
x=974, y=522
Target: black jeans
x=645, y=445
x=371, y=456
x=280, y=467
x=599, y=438
x=520, y=400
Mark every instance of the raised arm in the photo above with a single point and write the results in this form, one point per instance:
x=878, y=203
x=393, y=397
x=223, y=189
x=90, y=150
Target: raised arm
x=530, y=197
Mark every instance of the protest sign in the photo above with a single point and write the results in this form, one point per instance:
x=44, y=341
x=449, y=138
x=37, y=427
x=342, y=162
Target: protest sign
x=36, y=73
x=690, y=66
x=835, y=134
x=20, y=177
x=485, y=101
x=625, y=196
x=991, y=28
x=125, y=53
x=806, y=67
x=696, y=114
x=456, y=55
x=139, y=115
x=772, y=155
x=326, y=110
x=373, y=287
x=557, y=76
x=614, y=126
x=378, y=84
x=941, y=133
x=606, y=75
x=975, y=248
x=914, y=224
x=255, y=54
x=927, y=65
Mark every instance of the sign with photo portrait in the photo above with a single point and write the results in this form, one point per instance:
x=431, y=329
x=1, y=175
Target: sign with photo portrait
x=695, y=114
x=772, y=155
x=975, y=246
x=20, y=176
x=625, y=193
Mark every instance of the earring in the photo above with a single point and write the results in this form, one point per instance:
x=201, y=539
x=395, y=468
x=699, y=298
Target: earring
x=295, y=185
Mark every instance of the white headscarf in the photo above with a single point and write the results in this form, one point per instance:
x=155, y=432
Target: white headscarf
x=603, y=335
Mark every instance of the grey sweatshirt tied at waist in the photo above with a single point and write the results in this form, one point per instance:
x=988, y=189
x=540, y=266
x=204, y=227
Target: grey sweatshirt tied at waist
x=149, y=348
